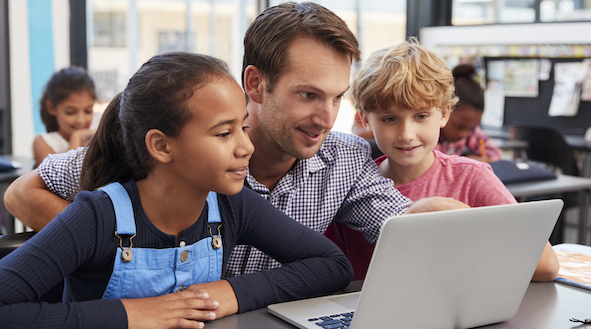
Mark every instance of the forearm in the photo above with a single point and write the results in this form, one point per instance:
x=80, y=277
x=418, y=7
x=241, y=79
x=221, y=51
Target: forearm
x=548, y=266
x=29, y=200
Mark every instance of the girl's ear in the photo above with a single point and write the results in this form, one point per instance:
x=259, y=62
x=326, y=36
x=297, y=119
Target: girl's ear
x=365, y=121
x=445, y=113
x=254, y=83
x=157, y=145
x=50, y=108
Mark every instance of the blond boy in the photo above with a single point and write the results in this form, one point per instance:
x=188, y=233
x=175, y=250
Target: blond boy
x=405, y=94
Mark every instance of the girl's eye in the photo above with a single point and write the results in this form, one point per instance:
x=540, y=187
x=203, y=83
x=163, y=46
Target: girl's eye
x=307, y=95
x=224, y=135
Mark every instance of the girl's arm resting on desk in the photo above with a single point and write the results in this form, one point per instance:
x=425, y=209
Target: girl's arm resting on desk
x=312, y=264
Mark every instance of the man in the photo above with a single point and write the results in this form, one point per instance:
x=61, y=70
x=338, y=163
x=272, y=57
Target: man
x=297, y=63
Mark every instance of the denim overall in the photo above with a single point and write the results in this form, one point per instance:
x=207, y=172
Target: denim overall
x=147, y=272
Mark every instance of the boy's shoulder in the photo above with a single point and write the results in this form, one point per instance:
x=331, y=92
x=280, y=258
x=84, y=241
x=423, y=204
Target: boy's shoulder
x=458, y=162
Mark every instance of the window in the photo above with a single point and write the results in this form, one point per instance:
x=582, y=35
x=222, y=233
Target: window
x=109, y=29
x=123, y=34
x=565, y=10
x=479, y=12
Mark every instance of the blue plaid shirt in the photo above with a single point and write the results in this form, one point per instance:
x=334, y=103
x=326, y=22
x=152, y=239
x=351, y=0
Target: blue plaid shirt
x=340, y=183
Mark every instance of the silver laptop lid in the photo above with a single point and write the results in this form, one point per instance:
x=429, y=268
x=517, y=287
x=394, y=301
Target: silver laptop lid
x=447, y=269
x=454, y=269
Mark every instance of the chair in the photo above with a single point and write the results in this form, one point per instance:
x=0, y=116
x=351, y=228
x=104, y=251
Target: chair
x=10, y=242
x=548, y=145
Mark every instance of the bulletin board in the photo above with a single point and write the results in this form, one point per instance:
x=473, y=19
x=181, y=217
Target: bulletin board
x=528, y=110
x=534, y=110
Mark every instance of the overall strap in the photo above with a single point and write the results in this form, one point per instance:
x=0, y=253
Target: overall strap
x=123, y=208
x=213, y=214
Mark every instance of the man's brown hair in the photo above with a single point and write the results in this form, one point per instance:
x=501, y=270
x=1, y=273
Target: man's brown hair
x=268, y=37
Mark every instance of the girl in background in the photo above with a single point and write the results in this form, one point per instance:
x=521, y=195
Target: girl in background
x=147, y=250
x=66, y=110
x=462, y=134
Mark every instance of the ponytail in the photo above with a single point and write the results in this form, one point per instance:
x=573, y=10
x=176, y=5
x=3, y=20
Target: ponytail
x=467, y=88
x=104, y=161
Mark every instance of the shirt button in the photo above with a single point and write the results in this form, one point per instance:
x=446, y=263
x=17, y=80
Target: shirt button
x=181, y=288
x=182, y=244
x=184, y=256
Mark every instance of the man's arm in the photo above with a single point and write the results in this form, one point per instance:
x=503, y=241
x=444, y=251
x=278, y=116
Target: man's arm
x=29, y=200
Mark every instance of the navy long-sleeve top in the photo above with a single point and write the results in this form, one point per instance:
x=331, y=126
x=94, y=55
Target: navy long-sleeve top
x=80, y=244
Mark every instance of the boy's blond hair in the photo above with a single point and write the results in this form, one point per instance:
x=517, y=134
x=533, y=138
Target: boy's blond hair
x=406, y=76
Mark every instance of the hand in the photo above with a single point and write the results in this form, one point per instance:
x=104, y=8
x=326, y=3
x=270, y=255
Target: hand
x=222, y=292
x=81, y=137
x=183, y=309
x=435, y=204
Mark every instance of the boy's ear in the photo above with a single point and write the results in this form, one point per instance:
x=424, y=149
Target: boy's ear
x=157, y=145
x=50, y=108
x=365, y=120
x=445, y=113
x=254, y=83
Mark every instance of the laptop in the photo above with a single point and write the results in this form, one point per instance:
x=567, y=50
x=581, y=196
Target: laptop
x=448, y=269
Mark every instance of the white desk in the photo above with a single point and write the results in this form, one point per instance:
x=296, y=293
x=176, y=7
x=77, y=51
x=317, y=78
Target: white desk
x=546, y=305
x=562, y=184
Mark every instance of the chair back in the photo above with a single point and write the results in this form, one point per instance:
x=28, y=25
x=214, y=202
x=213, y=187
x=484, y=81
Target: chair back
x=547, y=145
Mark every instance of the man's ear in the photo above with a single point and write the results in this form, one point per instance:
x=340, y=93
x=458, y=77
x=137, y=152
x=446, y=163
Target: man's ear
x=365, y=121
x=445, y=113
x=254, y=83
x=157, y=145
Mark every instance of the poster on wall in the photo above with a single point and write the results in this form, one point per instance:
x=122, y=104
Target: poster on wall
x=586, y=93
x=521, y=78
x=515, y=77
x=568, y=82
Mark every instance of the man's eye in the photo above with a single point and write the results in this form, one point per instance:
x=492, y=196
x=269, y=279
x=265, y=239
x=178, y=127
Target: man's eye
x=307, y=95
x=338, y=98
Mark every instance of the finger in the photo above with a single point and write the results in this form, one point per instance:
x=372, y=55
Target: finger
x=184, y=323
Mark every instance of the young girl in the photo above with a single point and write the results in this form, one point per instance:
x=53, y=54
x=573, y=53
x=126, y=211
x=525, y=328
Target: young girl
x=404, y=95
x=66, y=110
x=150, y=245
x=462, y=134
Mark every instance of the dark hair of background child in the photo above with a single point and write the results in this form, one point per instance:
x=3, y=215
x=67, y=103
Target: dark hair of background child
x=468, y=89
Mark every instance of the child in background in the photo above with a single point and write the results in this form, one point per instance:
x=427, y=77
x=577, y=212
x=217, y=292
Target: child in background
x=175, y=133
x=66, y=110
x=404, y=95
x=462, y=134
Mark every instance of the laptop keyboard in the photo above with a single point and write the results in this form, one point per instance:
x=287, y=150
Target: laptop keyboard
x=334, y=321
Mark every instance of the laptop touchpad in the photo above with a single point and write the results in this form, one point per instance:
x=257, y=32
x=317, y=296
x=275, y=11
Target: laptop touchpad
x=346, y=300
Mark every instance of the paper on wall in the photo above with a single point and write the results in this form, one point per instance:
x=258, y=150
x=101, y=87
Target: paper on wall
x=586, y=94
x=568, y=81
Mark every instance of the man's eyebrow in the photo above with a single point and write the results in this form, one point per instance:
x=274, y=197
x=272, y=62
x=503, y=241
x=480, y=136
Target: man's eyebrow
x=316, y=89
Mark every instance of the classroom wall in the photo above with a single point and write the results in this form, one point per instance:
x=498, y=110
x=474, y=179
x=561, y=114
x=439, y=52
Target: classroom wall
x=39, y=44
